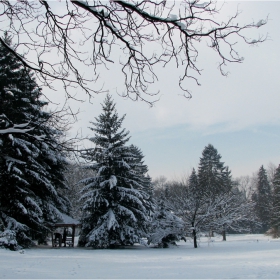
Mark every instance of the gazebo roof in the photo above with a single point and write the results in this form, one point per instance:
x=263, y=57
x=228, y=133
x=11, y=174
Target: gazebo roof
x=67, y=221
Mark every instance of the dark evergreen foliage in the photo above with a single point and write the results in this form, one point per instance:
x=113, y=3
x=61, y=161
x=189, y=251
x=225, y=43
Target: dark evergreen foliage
x=32, y=162
x=140, y=170
x=275, y=211
x=213, y=177
x=262, y=199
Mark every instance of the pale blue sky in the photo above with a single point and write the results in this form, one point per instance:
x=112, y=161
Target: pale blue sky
x=239, y=114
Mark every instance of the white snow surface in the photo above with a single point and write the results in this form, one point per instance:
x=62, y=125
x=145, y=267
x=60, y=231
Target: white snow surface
x=241, y=256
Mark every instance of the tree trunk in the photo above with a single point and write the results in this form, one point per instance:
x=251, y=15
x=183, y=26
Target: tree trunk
x=224, y=235
x=194, y=236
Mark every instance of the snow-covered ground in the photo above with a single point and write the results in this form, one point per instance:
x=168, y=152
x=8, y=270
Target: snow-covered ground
x=241, y=256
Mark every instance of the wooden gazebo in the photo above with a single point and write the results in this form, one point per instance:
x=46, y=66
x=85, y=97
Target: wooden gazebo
x=65, y=237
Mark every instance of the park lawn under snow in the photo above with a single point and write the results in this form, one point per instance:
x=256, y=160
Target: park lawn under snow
x=241, y=256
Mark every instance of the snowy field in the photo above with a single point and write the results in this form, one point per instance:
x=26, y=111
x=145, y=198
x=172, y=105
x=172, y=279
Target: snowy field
x=242, y=256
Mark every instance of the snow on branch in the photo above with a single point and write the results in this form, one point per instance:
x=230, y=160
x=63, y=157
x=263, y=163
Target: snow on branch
x=14, y=130
x=7, y=127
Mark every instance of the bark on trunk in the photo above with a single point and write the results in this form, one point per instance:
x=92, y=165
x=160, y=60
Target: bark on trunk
x=224, y=235
x=194, y=236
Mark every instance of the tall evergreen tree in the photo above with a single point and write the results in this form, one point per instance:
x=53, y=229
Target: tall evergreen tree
x=262, y=198
x=213, y=177
x=116, y=206
x=275, y=211
x=32, y=162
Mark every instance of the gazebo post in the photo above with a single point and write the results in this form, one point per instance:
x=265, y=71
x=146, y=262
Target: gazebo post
x=73, y=235
x=52, y=240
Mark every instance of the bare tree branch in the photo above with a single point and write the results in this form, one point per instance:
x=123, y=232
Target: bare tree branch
x=91, y=34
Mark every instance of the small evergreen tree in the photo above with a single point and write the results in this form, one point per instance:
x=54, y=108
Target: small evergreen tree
x=116, y=206
x=32, y=162
x=262, y=199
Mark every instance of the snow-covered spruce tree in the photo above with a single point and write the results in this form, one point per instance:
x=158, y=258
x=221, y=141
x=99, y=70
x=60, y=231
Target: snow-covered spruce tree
x=116, y=207
x=32, y=160
x=262, y=198
x=275, y=209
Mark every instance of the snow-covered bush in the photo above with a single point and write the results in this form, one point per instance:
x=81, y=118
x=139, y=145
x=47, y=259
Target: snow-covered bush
x=8, y=240
x=273, y=232
x=166, y=228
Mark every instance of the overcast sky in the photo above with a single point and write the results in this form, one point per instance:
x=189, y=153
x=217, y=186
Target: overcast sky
x=238, y=114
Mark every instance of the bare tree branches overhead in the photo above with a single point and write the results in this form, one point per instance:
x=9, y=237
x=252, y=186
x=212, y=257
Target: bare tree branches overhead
x=57, y=40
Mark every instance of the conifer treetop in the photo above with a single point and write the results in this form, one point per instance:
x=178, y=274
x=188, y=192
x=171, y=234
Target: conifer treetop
x=213, y=176
x=107, y=125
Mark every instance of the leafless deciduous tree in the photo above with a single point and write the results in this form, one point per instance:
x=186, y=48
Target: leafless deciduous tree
x=92, y=32
x=201, y=213
x=74, y=174
x=228, y=211
x=234, y=212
